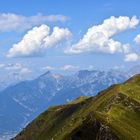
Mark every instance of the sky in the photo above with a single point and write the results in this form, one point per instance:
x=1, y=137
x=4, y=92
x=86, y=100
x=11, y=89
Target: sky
x=66, y=36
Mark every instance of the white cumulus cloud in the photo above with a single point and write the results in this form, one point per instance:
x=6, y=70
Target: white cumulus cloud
x=99, y=38
x=37, y=40
x=131, y=57
x=14, y=22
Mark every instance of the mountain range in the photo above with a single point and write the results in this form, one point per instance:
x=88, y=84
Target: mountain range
x=113, y=114
x=22, y=102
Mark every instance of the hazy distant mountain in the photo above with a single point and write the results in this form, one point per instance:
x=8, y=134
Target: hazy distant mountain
x=21, y=103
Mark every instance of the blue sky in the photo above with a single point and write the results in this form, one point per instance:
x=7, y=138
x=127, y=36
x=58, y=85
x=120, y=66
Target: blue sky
x=77, y=16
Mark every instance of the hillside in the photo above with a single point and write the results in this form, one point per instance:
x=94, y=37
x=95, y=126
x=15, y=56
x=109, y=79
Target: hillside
x=111, y=115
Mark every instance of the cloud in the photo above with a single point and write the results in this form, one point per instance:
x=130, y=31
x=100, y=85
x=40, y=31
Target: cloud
x=15, y=68
x=58, y=34
x=14, y=22
x=9, y=67
x=131, y=57
x=2, y=66
x=37, y=40
x=48, y=68
x=91, y=67
x=137, y=39
x=69, y=68
x=99, y=38
x=24, y=71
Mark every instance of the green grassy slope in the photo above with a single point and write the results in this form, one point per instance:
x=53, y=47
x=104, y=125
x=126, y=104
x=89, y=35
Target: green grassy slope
x=113, y=114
